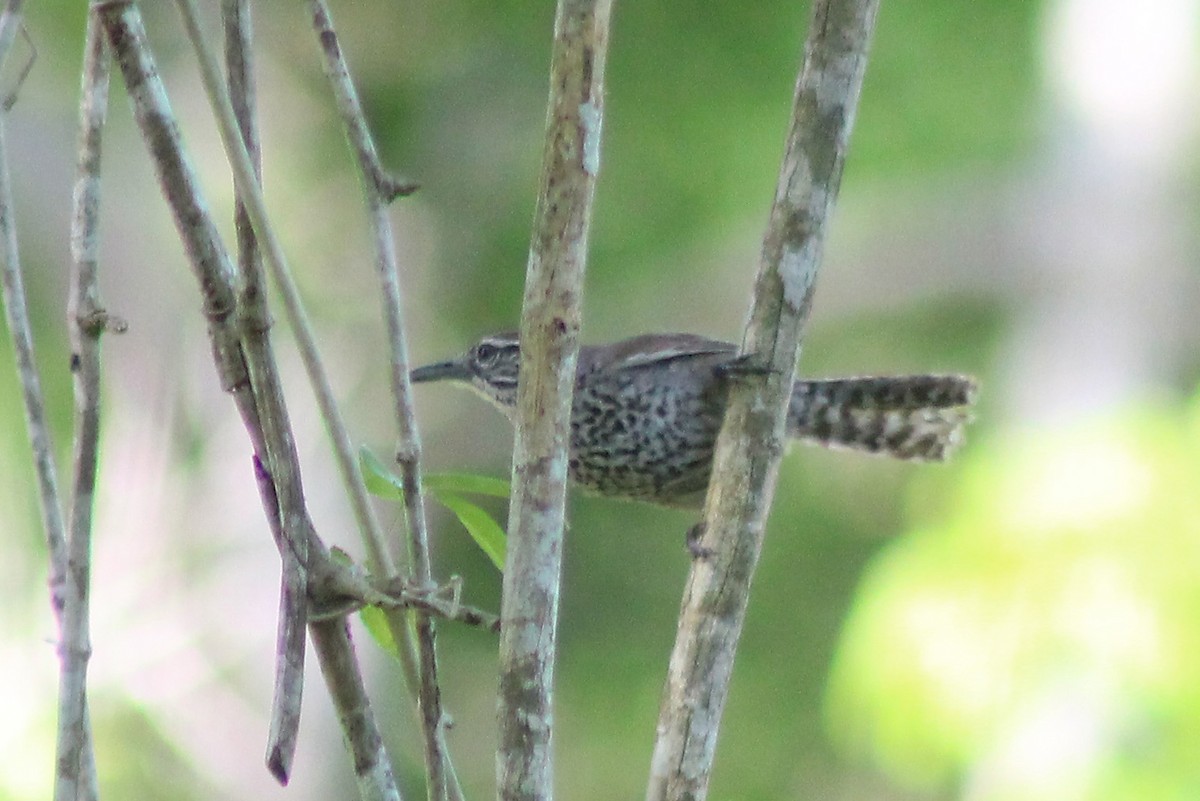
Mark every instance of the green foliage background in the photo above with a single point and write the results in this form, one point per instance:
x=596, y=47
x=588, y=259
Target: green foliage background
x=908, y=630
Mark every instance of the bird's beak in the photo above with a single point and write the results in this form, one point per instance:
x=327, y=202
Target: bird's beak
x=453, y=370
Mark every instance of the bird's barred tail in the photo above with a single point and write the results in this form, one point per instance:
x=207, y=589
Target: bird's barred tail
x=917, y=417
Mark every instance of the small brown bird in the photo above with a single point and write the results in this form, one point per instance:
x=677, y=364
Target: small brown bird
x=646, y=411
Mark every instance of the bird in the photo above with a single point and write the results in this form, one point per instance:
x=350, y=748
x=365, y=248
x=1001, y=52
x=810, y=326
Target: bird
x=646, y=411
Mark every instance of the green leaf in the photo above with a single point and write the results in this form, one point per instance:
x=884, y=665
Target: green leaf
x=486, y=532
x=379, y=480
x=382, y=482
x=469, y=483
x=376, y=623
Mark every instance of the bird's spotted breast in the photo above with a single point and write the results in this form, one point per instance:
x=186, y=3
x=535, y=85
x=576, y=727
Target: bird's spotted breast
x=636, y=441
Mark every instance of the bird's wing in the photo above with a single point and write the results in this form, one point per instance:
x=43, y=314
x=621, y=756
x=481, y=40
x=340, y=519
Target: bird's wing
x=657, y=348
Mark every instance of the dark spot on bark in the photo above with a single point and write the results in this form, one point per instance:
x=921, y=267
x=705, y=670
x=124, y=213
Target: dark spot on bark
x=588, y=58
x=796, y=226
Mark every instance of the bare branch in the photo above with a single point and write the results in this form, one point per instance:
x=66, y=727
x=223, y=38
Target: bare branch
x=335, y=651
x=286, y=515
x=248, y=190
x=86, y=321
x=31, y=385
x=266, y=418
x=207, y=257
x=428, y=601
x=10, y=99
x=751, y=442
x=550, y=323
x=70, y=559
x=380, y=190
x=337, y=590
x=381, y=185
x=10, y=23
x=34, y=398
x=293, y=616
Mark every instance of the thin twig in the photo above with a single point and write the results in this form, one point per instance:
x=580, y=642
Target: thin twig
x=31, y=386
x=65, y=589
x=69, y=567
x=550, y=323
x=381, y=189
x=87, y=320
x=248, y=190
x=212, y=266
x=34, y=398
x=10, y=99
x=383, y=185
x=339, y=666
x=207, y=257
x=751, y=441
x=406, y=648
x=266, y=418
x=289, y=643
x=10, y=24
x=337, y=590
x=429, y=604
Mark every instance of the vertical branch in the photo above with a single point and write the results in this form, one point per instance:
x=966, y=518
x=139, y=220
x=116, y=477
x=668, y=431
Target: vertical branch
x=177, y=178
x=750, y=446
x=209, y=260
x=239, y=69
x=550, y=323
x=31, y=389
x=335, y=651
x=86, y=321
x=70, y=561
x=248, y=189
x=380, y=189
x=10, y=23
x=265, y=415
x=31, y=386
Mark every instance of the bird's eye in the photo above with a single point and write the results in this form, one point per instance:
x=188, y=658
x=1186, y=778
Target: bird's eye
x=486, y=352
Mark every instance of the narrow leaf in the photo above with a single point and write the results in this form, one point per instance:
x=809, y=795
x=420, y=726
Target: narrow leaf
x=468, y=483
x=375, y=621
x=486, y=532
x=379, y=480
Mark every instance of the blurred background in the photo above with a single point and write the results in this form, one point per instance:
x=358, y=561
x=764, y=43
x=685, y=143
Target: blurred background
x=1020, y=202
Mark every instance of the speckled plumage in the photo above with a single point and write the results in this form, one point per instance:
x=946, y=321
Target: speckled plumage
x=646, y=411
